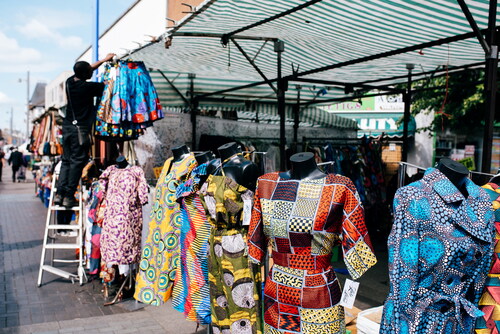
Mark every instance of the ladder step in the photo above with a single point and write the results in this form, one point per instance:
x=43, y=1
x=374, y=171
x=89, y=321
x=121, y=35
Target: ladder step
x=63, y=227
x=62, y=246
x=65, y=261
x=58, y=272
x=63, y=208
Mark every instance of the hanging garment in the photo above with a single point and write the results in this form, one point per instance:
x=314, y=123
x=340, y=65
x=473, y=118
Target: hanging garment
x=489, y=303
x=302, y=220
x=439, y=255
x=129, y=103
x=95, y=210
x=191, y=294
x=126, y=191
x=234, y=281
x=160, y=254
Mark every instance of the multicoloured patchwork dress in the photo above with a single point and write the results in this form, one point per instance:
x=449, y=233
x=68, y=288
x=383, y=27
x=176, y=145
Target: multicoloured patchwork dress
x=440, y=251
x=161, y=252
x=234, y=281
x=191, y=294
x=489, y=303
x=302, y=220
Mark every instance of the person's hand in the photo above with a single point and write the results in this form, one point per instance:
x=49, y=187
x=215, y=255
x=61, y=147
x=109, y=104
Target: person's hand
x=109, y=57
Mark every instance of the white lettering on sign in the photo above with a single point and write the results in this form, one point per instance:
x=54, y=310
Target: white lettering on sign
x=377, y=124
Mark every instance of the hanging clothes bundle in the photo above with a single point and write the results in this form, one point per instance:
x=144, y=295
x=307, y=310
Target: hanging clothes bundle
x=46, y=135
x=129, y=103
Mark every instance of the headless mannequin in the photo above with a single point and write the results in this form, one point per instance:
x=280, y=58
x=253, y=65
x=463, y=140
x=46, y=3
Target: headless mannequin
x=304, y=167
x=212, y=166
x=121, y=162
x=455, y=172
x=180, y=152
x=241, y=170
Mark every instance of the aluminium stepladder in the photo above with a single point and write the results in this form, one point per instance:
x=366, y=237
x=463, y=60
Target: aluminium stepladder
x=50, y=240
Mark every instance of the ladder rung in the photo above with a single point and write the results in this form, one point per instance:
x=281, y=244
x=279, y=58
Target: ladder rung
x=63, y=227
x=63, y=208
x=58, y=272
x=65, y=261
x=62, y=246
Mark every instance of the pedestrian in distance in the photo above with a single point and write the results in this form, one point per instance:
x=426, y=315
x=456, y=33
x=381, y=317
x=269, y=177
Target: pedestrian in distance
x=80, y=115
x=2, y=155
x=16, y=161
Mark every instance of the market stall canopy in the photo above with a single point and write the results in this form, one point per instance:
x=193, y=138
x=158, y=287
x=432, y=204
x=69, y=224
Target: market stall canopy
x=362, y=44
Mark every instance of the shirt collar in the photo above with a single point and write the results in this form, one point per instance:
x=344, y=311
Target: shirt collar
x=446, y=189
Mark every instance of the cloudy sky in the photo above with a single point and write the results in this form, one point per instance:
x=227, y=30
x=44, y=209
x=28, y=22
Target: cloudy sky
x=45, y=38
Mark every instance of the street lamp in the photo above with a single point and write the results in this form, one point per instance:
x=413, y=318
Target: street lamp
x=27, y=103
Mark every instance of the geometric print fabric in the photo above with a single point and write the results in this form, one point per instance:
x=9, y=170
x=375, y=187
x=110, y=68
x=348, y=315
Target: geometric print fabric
x=301, y=294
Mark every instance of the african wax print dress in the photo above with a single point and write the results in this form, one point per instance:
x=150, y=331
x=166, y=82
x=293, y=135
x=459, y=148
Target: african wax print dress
x=160, y=254
x=234, y=281
x=302, y=220
x=95, y=216
x=489, y=303
x=126, y=191
x=191, y=290
x=440, y=251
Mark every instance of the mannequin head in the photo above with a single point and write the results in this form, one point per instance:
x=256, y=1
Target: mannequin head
x=454, y=171
x=304, y=167
x=228, y=150
x=121, y=162
x=206, y=156
x=180, y=152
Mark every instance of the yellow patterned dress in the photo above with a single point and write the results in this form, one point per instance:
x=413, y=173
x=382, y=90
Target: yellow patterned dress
x=161, y=254
x=234, y=281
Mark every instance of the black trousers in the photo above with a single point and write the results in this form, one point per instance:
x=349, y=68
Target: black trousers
x=74, y=159
x=14, y=172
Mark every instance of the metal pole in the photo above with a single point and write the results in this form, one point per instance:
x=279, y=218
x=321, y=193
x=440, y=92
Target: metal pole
x=95, y=40
x=279, y=47
x=28, y=105
x=407, y=100
x=12, y=125
x=490, y=88
x=193, y=108
x=296, y=116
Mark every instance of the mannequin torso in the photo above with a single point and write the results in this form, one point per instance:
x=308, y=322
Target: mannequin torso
x=303, y=167
x=455, y=172
x=241, y=170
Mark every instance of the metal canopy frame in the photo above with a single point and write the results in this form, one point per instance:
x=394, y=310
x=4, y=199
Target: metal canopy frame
x=488, y=44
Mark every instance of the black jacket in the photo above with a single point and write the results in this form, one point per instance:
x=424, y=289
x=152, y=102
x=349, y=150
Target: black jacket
x=16, y=159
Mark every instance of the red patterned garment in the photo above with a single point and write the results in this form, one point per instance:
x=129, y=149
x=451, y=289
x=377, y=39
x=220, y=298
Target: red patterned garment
x=302, y=220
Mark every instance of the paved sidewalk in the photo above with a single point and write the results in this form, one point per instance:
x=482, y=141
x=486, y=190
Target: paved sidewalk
x=59, y=306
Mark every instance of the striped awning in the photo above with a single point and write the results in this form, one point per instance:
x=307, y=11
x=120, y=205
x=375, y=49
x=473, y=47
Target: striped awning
x=355, y=42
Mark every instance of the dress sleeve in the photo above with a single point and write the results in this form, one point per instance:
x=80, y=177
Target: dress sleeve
x=257, y=242
x=142, y=189
x=403, y=253
x=356, y=244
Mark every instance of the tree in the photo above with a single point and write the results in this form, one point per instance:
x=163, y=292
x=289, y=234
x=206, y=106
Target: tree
x=457, y=100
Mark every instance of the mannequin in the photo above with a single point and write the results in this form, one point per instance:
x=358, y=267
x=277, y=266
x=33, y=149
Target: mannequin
x=304, y=167
x=180, y=152
x=241, y=170
x=213, y=164
x=121, y=162
x=455, y=172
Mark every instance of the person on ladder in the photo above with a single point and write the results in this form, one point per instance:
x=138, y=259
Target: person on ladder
x=80, y=114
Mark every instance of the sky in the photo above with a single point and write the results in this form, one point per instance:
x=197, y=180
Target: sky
x=44, y=38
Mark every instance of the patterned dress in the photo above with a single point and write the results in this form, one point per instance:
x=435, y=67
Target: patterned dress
x=302, y=220
x=191, y=293
x=126, y=191
x=160, y=254
x=234, y=281
x=439, y=255
x=489, y=303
